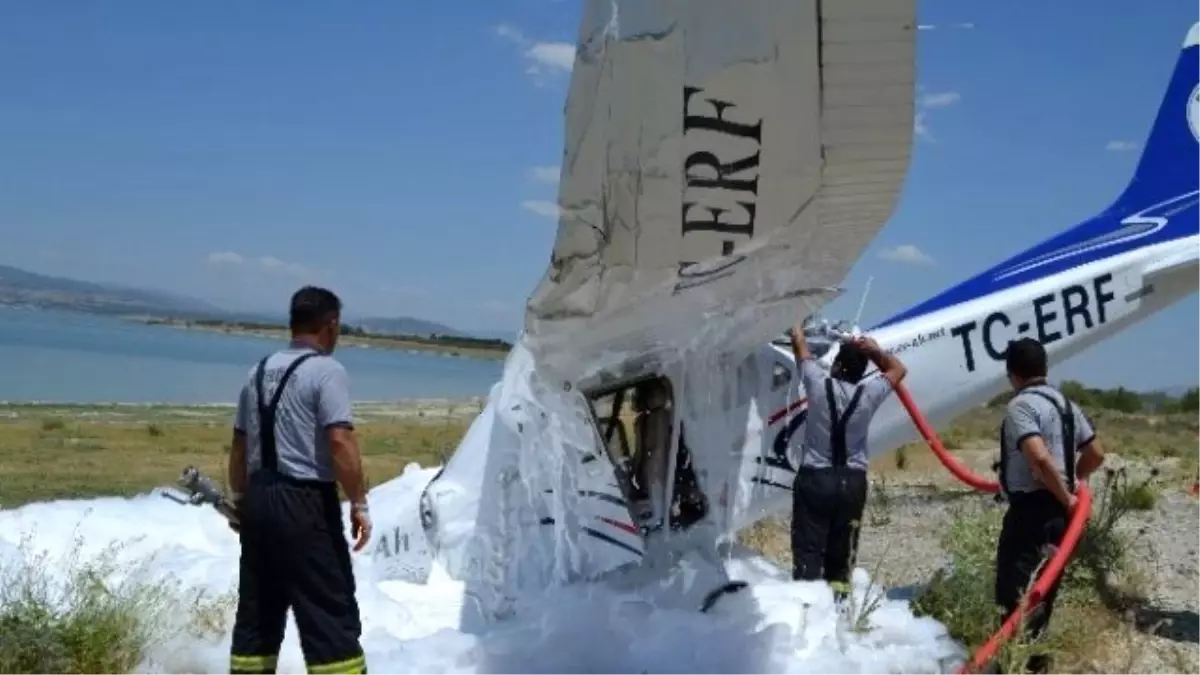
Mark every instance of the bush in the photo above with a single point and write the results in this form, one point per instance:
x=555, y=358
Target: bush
x=1119, y=399
x=961, y=597
x=1190, y=401
x=101, y=617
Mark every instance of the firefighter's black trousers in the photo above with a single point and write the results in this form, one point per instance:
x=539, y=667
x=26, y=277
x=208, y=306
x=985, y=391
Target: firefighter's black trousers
x=1034, y=524
x=827, y=509
x=295, y=554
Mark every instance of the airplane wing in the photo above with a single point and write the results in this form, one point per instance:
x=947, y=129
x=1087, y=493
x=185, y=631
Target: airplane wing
x=726, y=162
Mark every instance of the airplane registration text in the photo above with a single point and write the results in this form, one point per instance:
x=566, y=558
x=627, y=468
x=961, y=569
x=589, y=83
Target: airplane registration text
x=1055, y=315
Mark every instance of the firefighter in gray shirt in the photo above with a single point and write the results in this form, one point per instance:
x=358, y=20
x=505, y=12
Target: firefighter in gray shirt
x=1039, y=438
x=829, y=492
x=293, y=438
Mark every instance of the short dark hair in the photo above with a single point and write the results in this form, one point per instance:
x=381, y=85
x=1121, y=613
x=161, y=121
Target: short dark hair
x=311, y=307
x=1026, y=358
x=851, y=361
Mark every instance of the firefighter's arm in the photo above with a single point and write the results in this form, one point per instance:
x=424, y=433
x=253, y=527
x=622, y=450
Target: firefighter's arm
x=237, y=465
x=1042, y=465
x=237, y=448
x=333, y=415
x=800, y=345
x=347, y=463
x=1022, y=422
x=892, y=368
x=1091, y=454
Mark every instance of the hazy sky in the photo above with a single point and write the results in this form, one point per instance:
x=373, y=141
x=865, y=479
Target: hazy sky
x=231, y=150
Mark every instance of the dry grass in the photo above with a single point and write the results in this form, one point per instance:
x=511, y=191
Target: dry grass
x=99, y=617
x=1169, y=440
x=88, y=623
x=1090, y=631
x=49, y=452
x=83, y=451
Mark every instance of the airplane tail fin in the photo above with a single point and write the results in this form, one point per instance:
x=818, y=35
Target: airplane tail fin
x=1158, y=205
x=1168, y=166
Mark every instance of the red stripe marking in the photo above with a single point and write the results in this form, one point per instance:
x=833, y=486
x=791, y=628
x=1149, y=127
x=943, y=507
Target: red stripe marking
x=782, y=412
x=628, y=527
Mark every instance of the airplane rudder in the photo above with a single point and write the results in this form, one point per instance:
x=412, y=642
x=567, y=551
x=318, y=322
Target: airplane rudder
x=1169, y=162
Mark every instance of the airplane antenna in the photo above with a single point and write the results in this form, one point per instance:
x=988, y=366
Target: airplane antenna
x=863, y=302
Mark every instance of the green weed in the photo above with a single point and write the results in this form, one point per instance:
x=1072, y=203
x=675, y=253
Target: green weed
x=101, y=616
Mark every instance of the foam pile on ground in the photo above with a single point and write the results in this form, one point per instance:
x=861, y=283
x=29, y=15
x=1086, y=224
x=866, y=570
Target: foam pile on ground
x=775, y=626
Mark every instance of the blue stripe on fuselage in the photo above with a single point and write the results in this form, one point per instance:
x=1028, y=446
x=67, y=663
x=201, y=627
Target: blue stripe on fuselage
x=1102, y=237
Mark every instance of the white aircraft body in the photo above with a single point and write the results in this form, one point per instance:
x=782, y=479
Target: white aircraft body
x=541, y=491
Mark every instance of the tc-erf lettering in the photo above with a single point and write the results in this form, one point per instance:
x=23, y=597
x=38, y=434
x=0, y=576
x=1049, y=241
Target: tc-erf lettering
x=1056, y=315
x=714, y=185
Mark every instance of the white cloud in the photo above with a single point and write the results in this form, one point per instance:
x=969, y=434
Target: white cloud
x=544, y=174
x=1122, y=146
x=927, y=101
x=275, y=264
x=267, y=262
x=542, y=58
x=511, y=33
x=940, y=99
x=540, y=207
x=553, y=55
x=962, y=25
x=919, y=126
x=906, y=253
x=225, y=258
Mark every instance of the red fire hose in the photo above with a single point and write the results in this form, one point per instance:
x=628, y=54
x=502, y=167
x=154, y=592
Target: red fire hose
x=1053, y=569
x=956, y=467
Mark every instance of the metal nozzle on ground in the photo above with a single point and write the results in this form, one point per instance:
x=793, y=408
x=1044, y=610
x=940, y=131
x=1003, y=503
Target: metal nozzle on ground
x=194, y=488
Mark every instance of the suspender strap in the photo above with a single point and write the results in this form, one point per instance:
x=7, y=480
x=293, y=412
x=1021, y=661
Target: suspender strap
x=266, y=413
x=1067, y=418
x=837, y=425
x=1002, y=466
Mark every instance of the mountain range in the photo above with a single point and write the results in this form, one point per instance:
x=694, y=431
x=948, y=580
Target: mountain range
x=21, y=288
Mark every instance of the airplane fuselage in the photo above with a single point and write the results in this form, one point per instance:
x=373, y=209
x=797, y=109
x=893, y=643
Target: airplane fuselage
x=955, y=357
x=955, y=363
x=539, y=468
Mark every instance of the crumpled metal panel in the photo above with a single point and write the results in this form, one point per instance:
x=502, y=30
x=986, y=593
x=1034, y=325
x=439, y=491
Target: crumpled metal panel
x=726, y=161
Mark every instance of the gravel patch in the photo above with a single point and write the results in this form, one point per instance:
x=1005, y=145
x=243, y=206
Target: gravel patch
x=900, y=546
x=1167, y=548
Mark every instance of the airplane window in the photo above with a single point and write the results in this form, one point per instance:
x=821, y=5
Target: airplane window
x=780, y=375
x=636, y=423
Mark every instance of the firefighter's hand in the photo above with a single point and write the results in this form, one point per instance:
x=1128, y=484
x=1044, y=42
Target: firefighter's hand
x=868, y=345
x=360, y=525
x=235, y=515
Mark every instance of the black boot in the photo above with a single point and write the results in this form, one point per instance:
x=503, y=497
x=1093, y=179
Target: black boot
x=1038, y=663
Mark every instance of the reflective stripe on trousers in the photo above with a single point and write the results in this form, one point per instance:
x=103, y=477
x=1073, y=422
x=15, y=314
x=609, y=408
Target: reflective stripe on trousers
x=247, y=665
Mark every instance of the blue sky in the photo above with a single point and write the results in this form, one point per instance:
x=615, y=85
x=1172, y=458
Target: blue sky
x=406, y=153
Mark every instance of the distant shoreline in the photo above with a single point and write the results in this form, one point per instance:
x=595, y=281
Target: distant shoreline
x=428, y=409
x=448, y=345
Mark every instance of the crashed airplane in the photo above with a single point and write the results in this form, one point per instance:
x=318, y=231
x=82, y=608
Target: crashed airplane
x=724, y=167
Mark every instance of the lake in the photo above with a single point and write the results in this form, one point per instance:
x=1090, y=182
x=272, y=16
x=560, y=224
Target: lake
x=83, y=358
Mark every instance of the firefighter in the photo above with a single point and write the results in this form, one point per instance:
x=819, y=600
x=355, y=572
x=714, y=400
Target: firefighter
x=830, y=488
x=293, y=438
x=1041, y=434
